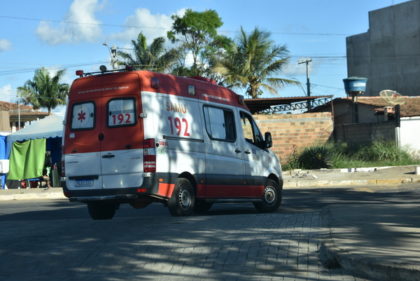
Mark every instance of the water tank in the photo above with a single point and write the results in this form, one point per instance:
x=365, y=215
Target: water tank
x=355, y=85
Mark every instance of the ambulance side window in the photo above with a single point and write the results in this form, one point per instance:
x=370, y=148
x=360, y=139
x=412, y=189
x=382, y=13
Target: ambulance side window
x=83, y=116
x=121, y=112
x=250, y=130
x=220, y=123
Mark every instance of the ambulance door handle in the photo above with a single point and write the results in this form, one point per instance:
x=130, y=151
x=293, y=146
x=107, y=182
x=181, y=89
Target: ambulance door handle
x=101, y=136
x=238, y=150
x=247, y=152
x=108, y=156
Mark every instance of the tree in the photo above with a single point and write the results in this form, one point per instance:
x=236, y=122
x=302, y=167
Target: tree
x=44, y=90
x=253, y=64
x=152, y=57
x=197, y=34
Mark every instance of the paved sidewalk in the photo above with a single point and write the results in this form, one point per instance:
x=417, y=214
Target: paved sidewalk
x=376, y=241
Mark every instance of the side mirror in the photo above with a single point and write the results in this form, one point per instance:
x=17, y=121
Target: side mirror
x=268, y=140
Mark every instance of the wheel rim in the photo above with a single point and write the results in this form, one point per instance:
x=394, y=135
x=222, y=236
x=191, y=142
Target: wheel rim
x=270, y=195
x=184, y=199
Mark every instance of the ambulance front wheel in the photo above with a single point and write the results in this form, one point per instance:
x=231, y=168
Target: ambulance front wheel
x=102, y=210
x=182, y=200
x=202, y=206
x=271, y=199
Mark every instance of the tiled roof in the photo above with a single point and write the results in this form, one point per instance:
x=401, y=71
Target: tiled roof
x=8, y=106
x=410, y=105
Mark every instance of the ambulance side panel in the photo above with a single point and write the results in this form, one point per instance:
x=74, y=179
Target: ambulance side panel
x=176, y=123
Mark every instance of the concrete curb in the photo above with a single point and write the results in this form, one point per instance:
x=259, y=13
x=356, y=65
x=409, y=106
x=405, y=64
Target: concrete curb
x=345, y=183
x=31, y=194
x=332, y=256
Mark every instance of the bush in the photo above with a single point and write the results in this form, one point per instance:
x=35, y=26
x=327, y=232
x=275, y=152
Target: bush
x=341, y=155
x=315, y=157
x=382, y=151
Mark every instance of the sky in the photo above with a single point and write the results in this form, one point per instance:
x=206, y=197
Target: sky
x=69, y=34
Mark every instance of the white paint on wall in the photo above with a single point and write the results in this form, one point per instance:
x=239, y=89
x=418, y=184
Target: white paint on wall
x=410, y=133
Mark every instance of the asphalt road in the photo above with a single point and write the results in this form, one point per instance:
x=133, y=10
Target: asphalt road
x=56, y=240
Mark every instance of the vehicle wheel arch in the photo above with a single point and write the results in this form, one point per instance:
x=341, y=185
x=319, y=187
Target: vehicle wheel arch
x=276, y=179
x=190, y=177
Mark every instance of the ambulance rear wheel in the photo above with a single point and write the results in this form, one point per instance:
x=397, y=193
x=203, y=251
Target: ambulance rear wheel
x=271, y=197
x=182, y=200
x=102, y=210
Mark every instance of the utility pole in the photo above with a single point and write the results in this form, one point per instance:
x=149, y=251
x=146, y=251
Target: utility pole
x=308, y=83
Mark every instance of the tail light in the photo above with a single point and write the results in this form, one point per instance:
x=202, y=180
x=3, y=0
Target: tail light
x=149, y=156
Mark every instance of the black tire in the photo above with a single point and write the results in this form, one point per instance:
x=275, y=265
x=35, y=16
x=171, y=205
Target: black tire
x=102, y=210
x=202, y=206
x=271, y=198
x=182, y=201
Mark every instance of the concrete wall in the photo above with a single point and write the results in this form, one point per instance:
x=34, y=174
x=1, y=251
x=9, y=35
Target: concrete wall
x=4, y=121
x=365, y=132
x=388, y=54
x=295, y=132
x=410, y=134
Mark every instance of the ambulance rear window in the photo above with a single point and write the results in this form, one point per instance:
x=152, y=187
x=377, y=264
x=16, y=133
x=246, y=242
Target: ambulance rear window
x=121, y=112
x=83, y=116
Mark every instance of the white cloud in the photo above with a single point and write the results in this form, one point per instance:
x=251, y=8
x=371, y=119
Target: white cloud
x=5, y=45
x=7, y=93
x=79, y=25
x=152, y=25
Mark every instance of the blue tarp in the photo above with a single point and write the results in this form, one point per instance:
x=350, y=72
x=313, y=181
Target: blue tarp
x=3, y=155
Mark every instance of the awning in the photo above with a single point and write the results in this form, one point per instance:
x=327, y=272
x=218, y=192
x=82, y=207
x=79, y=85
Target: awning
x=48, y=127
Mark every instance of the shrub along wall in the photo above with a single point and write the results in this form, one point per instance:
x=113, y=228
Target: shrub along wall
x=294, y=132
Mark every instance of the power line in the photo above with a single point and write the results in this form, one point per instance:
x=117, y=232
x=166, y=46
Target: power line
x=26, y=70
x=157, y=27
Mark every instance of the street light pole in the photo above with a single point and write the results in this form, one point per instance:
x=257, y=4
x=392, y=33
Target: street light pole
x=308, y=83
x=18, y=109
x=113, y=54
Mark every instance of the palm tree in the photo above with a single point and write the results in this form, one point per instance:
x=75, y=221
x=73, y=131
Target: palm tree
x=153, y=57
x=44, y=90
x=253, y=64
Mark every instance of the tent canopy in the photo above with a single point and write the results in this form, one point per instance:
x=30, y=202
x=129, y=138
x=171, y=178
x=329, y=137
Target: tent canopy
x=48, y=127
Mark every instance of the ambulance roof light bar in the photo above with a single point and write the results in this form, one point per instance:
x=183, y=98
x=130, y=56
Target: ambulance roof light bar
x=79, y=73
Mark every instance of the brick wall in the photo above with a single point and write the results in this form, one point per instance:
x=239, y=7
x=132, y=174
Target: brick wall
x=294, y=132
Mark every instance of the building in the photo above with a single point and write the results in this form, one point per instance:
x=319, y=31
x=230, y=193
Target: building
x=388, y=54
x=11, y=114
x=377, y=121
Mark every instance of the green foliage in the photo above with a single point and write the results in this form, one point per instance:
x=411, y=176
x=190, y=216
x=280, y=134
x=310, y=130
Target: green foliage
x=293, y=161
x=315, y=157
x=44, y=90
x=254, y=63
x=152, y=57
x=341, y=155
x=382, y=151
x=197, y=33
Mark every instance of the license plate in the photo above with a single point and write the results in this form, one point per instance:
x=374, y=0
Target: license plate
x=84, y=183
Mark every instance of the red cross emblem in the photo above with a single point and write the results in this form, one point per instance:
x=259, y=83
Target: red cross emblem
x=81, y=116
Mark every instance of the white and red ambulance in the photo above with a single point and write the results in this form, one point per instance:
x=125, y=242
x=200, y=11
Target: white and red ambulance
x=139, y=137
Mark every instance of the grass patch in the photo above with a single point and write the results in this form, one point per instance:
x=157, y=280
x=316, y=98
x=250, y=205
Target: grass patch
x=341, y=155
